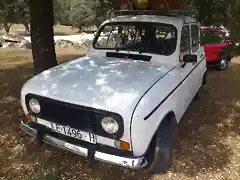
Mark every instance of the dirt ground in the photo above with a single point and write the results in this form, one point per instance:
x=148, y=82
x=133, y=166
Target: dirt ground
x=208, y=146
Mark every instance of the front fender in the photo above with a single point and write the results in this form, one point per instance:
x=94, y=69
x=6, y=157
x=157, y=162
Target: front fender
x=143, y=131
x=145, y=121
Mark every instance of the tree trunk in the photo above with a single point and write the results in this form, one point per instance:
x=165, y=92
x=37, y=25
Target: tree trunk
x=41, y=25
x=7, y=27
x=26, y=27
x=80, y=29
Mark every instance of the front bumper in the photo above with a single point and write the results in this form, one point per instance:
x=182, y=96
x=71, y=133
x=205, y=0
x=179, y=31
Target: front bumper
x=127, y=162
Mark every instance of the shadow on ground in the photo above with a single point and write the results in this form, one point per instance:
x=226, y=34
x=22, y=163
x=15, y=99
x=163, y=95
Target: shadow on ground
x=202, y=146
x=208, y=123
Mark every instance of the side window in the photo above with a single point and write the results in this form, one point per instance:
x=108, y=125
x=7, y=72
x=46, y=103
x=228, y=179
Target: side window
x=195, y=37
x=211, y=37
x=185, y=42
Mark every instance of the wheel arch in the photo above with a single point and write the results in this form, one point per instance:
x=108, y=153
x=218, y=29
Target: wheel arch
x=223, y=52
x=170, y=118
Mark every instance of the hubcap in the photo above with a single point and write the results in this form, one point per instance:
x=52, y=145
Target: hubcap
x=223, y=63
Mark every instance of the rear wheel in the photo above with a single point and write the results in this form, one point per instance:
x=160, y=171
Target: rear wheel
x=223, y=63
x=159, y=154
x=197, y=96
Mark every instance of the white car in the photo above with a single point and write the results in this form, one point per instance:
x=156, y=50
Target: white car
x=122, y=102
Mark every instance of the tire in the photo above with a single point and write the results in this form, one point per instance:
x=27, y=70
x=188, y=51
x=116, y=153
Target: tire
x=222, y=64
x=204, y=80
x=159, y=154
x=197, y=96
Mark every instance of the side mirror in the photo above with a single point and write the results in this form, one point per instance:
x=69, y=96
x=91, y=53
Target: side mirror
x=190, y=58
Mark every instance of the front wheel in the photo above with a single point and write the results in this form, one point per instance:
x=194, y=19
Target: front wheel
x=160, y=151
x=223, y=63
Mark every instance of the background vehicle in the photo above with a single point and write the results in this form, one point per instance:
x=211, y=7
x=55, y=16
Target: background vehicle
x=216, y=46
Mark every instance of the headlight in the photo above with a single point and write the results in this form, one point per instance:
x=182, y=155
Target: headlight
x=34, y=106
x=110, y=125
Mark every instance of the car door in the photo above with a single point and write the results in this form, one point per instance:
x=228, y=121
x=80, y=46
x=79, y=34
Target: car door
x=196, y=49
x=188, y=77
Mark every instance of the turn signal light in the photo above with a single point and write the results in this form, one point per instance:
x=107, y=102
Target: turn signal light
x=122, y=145
x=28, y=117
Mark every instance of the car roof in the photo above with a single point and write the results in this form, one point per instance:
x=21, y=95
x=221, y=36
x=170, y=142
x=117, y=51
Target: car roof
x=213, y=29
x=177, y=21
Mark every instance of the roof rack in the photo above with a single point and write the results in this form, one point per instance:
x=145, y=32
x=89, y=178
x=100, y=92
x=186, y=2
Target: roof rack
x=173, y=13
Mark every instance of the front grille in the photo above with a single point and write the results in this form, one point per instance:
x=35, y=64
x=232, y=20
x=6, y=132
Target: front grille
x=79, y=117
x=73, y=116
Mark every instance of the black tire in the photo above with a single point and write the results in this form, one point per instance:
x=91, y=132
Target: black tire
x=197, y=96
x=223, y=63
x=159, y=154
x=204, y=80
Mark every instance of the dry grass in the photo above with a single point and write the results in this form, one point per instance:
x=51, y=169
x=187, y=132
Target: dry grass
x=208, y=146
x=58, y=30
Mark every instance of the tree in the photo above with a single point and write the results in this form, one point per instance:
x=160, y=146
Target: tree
x=14, y=11
x=82, y=13
x=101, y=7
x=22, y=13
x=61, y=11
x=7, y=13
x=42, y=21
x=220, y=12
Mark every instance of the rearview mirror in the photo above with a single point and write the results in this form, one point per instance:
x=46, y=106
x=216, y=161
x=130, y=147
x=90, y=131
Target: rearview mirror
x=190, y=58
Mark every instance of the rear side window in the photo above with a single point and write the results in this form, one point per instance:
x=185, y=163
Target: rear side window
x=211, y=37
x=195, y=37
x=185, y=40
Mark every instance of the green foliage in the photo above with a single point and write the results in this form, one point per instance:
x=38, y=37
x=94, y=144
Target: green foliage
x=61, y=11
x=81, y=13
x=7, y=15
x=219, y=12
x=13, y=11
x=102, y=7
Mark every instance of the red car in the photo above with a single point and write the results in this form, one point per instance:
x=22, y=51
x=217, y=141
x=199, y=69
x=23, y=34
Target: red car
x=216, y=47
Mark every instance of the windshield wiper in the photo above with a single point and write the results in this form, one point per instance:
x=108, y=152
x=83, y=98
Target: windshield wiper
x=117, y=48
x=129, y=56
x=141, y=50
x=120, y=48
x=138, y=48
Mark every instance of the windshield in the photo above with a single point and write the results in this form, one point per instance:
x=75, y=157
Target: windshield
x=139, y=36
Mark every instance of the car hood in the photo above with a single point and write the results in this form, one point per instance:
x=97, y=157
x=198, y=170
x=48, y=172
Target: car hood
x=104, y=83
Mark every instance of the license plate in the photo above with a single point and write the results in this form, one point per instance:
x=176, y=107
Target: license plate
x=74, y=133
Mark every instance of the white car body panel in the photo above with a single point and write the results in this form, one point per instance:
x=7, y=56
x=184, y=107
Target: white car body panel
x=177, y=102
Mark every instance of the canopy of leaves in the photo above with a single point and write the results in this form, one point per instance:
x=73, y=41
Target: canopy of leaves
x=81, y=13
x=219, y=12
x=62, y=11
x=13, y=11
